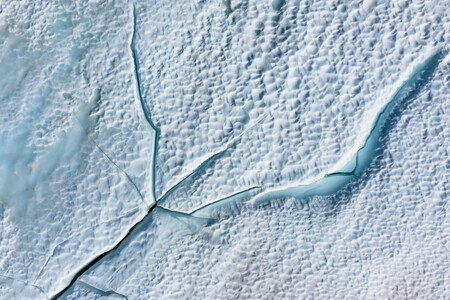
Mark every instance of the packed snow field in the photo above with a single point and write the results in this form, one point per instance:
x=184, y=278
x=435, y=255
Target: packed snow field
x=224, y=149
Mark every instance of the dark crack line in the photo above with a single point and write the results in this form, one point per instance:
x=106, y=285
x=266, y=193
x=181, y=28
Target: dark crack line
x=99, y=257
x=433, y=61
x=132, y=211
x=144, y=107
x=147, y=115
x=425, y=72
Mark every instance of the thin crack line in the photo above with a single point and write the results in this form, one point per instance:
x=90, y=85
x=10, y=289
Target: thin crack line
x=26, y=283
x=211, y=158
x=196, y=210
x=110, y=160
x=123, y=171
x=184, y=214
x=48, y=259
x=199, y=168
x=134, y=210
x=186, y=217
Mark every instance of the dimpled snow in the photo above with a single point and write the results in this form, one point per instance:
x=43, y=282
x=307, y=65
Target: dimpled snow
x=224, y=149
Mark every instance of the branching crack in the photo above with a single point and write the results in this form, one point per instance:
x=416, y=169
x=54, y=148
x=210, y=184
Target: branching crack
x=427, y=66
x=211, y=159
x=99, y=257
x=127, y=213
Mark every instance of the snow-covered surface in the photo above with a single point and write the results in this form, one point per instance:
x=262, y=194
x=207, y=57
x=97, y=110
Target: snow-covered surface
x=293, y=149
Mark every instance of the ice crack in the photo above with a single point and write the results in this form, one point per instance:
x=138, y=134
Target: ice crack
x=211, y=159
x=332, y=181
x=99, y=257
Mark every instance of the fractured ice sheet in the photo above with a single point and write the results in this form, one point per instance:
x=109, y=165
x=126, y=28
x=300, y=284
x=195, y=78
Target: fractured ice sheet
x=222, y=111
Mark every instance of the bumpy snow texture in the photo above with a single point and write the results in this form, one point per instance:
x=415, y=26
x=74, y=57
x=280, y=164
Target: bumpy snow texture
x=224, y=149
